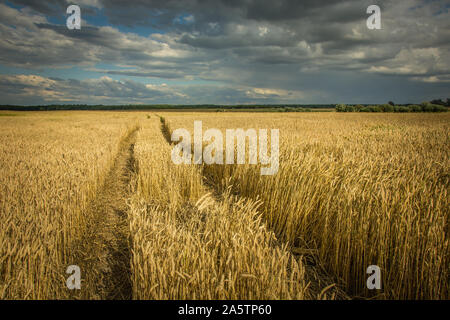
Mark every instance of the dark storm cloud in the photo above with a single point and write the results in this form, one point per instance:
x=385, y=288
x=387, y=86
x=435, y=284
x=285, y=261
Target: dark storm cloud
x=87, y=33
x=162, y=13
x=56, y=7
x=48, y=7
x=223, y=11
x=245, y=51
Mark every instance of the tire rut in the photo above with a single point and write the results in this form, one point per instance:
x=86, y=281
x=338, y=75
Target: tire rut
x=320, y=281
x=105, y=253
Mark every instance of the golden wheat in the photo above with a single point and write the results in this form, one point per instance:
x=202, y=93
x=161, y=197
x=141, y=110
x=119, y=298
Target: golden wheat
x=51, y=165
x=187, y=244
x=352, y=190
x=357, y=190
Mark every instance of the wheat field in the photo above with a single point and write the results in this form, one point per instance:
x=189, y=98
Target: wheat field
x=99, y=190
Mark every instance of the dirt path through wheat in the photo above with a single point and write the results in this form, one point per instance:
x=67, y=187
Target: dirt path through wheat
x=105, y=252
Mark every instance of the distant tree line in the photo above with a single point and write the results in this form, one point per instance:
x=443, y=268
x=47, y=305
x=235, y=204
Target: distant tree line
x=294, y=109
x=213, y=107
x=440, y=102
x=391, y=107
x=432, y=106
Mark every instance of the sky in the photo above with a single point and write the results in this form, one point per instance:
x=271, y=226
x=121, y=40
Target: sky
x=224, y=52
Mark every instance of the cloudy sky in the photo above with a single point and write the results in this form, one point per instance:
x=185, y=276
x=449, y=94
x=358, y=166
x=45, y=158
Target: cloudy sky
x=223, y=52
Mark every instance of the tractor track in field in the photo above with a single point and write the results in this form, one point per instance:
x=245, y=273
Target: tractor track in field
x=319, y=281
x=105, y=253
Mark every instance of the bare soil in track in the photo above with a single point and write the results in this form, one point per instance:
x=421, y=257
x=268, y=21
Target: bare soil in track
x=105, y=253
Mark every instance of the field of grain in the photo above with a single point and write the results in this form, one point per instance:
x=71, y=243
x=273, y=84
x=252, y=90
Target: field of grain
x=51, y=167
x=99, y=190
